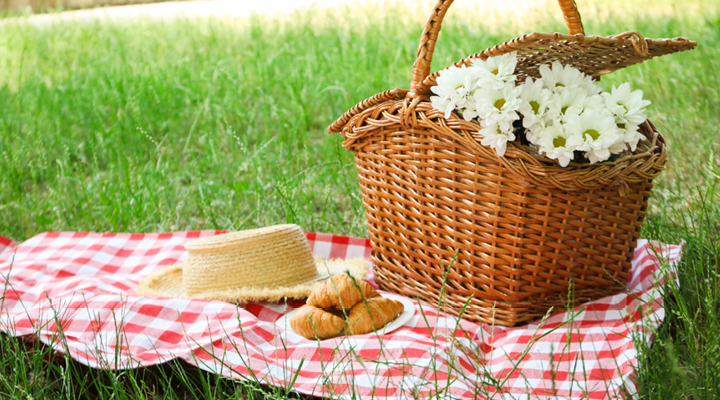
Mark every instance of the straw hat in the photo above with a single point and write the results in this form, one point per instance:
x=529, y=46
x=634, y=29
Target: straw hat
x=266, y=264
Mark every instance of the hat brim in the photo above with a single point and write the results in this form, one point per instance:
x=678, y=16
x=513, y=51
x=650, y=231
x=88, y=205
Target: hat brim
x=168, y=283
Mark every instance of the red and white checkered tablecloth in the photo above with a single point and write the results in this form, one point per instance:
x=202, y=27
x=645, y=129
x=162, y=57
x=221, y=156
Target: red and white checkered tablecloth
x=83, y=284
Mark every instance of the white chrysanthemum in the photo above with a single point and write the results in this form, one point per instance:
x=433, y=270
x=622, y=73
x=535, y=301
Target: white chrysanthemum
x=554, y=143
x=627, y=106
x=631, y=134
x=496, y=137
x=454, y=90
x=618, y=147
x=533, y=134
x=590, y=86
x=470, y=112
x=595, y=102
x=534, y=106
x=570, y=101
x=442, y=104
x=559, y=77
x=595, y=133
x=494, y=72
x=499, y=106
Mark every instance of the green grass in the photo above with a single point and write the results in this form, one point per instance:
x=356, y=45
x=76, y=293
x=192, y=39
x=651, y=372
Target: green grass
x=220, y=124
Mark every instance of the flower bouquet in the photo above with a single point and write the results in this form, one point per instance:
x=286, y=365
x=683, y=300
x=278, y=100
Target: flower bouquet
x=562, y=115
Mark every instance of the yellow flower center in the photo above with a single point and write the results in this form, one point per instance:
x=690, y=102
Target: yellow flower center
x=621, y=126
x=535, y=106
x=562, y=110
x=559, y=141
x=559, y=85
x=495, y=72
x=461, y=86
x=592, y=133
x=499, y=103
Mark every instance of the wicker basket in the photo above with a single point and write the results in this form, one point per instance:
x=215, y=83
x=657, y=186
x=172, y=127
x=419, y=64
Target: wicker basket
x=525, y=229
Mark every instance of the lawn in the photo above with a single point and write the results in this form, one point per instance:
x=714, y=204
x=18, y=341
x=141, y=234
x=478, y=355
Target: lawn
x=150, y=126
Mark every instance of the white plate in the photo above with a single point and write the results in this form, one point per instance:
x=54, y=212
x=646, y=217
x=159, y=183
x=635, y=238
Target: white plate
x=405, y=316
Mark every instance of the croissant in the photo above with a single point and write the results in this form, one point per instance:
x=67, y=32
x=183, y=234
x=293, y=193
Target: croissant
x=326, y=295
x=324, y=323
x=366, y=317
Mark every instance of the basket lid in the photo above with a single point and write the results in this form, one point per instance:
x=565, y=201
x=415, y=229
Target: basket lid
x=593, y=55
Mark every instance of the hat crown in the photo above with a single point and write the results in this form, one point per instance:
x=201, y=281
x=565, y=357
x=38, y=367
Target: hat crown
x=230, y=240
x=275, y=256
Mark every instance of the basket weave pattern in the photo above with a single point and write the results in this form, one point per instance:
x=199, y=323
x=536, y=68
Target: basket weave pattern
x=525, y=230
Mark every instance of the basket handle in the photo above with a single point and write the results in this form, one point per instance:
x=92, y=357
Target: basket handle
x=421, y=67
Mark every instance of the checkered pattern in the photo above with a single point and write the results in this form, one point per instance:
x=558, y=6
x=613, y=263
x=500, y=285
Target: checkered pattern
x=76, y=292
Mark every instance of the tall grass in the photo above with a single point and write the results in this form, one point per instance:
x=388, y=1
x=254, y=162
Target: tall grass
x=182, y=124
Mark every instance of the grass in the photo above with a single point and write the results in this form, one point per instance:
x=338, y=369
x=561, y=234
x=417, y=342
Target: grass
x=149, y=126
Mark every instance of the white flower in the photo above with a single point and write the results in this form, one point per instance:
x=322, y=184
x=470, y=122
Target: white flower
x=499, y=106
x=631, y=134
x=470, y=112
x=618, y=147
x=533, y=134
x=494, y=72
x=442, y=104
x=627, y=106
x=596, y=102
x=594, y=132
x=554, y=143
x=590, y=86
x=560, y=77
x=570, y=101
x=494, y=136
x=534, y=104
x=454, y=90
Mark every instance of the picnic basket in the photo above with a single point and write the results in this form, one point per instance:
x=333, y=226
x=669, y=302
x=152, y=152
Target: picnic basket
x=526, y=233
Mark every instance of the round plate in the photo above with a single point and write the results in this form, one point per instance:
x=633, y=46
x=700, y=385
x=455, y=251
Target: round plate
x=405, y=316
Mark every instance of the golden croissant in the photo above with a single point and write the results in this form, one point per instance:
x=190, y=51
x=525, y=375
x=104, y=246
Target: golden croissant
x=326, y=295
x=371, y=315
x=326, y=324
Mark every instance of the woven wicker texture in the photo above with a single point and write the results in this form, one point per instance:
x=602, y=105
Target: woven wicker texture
x=527, y=232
